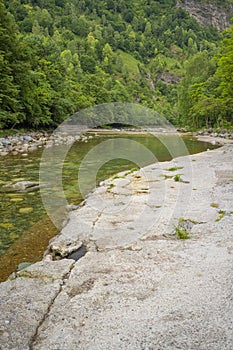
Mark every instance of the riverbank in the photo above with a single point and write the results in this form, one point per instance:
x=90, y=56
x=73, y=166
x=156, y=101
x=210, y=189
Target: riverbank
x=137, y=285
x=216, y=138
x=31, y=141
x=20, y=191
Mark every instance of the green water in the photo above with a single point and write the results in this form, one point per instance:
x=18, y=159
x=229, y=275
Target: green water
x=20, y=210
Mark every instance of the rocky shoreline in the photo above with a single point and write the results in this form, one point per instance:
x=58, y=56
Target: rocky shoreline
x=216, y=138
x=121, y=274
x=223, y=133
x=31, y=141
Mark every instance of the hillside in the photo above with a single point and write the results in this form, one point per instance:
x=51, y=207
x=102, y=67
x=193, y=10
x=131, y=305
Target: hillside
x=58, y=57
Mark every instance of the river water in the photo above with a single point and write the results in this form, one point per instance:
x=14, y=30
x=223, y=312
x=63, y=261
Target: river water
x=25, y=230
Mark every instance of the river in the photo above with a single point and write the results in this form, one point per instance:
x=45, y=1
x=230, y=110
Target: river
x=25, y=230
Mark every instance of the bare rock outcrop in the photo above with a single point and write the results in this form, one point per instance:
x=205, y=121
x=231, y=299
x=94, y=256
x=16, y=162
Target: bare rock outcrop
x=208, y=13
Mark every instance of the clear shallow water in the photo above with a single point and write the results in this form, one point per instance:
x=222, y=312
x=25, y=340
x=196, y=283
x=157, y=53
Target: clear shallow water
x=23, y=212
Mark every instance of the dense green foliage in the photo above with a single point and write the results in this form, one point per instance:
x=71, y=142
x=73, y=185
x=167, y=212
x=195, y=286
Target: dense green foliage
x=206, y=90
x=57, y=57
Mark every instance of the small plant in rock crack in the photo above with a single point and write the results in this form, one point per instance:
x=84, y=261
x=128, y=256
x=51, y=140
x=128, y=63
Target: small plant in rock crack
x=182, y=233
x=131, y=171
x=177, y=178
x=110, y=186
x=221, y=215
x=184, y=227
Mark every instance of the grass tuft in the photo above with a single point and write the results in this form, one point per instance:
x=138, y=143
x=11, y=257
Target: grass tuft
x=110, y=186
x=177, y=178
x=182, y=233
x=221, y=215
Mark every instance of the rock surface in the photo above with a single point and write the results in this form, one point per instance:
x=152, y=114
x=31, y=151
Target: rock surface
x=20, y=186
x=208, y=12
x=138, y=286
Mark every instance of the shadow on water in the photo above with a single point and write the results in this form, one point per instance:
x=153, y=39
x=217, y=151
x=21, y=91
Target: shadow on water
x=28, y=248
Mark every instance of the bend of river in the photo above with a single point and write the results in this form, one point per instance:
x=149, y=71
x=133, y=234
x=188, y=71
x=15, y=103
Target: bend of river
x=25, y=230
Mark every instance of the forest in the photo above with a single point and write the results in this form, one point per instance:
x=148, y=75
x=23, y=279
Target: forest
x=60, y=56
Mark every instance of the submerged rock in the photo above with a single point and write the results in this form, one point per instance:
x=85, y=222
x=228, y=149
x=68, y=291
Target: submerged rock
x=21, y=186
x=25, y=210
x=23, y=265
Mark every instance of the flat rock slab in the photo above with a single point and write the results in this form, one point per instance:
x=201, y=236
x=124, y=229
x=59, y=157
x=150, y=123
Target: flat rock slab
x=160, y=297
x=138, y=286
x=26, y=300
x=132, y=206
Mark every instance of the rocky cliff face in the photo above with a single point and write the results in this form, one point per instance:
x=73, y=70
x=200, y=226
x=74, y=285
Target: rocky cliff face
x=208, y=13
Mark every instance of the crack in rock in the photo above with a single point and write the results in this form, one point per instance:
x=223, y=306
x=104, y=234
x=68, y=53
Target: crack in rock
x=34, y=337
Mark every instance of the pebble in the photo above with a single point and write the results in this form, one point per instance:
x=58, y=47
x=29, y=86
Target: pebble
x=27, y=138
x=5, y=142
